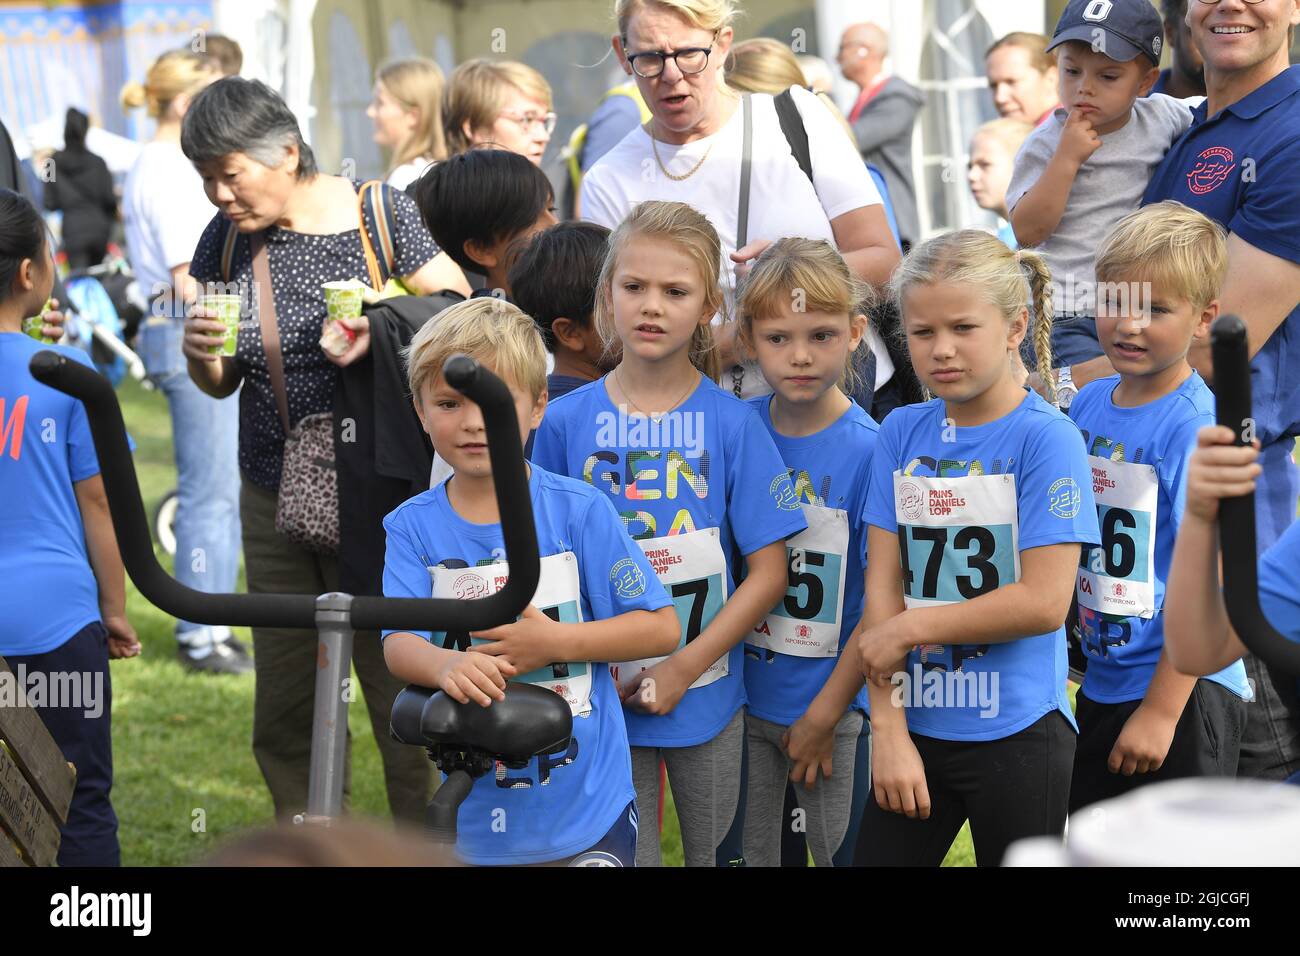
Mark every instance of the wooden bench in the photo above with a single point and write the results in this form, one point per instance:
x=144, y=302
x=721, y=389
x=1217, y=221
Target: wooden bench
x=36, y=783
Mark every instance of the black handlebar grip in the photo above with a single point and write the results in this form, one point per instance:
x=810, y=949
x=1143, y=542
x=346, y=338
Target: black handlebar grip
x=1232, y=393
x=298, y=610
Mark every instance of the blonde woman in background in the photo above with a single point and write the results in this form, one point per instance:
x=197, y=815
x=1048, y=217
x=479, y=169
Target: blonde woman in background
x=764, y=65
x=166, y=211
x=407, y=114
x=505, y=103
x=993, y=151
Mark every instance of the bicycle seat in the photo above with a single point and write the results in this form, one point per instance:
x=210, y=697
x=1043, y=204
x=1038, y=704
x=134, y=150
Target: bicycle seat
x=530, y=721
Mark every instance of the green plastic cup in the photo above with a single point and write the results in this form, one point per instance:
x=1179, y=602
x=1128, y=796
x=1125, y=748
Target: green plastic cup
x=343, y=299
x=32, y=324
x=227, y=310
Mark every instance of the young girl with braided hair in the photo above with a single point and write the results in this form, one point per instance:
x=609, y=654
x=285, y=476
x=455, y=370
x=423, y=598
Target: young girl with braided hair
x=984, y=495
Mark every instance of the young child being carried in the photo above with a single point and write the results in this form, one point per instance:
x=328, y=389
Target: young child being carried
x=1088, y=165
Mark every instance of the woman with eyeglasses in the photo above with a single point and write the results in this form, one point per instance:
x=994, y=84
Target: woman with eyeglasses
x=500, y=102
x=691, y=150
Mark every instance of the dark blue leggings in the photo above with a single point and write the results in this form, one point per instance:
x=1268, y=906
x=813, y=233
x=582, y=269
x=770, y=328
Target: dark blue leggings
x=90, y=835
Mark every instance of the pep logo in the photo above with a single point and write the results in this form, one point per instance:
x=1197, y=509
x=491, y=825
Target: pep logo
x=627, y=579
x=782, y=493
x=1212, y=169
x=469, y=587
x=1064, y=498
x=910, y=501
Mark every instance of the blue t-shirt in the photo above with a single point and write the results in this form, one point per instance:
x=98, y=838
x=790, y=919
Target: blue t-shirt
x=970, y=500
x=707, y=464
x=1238, y=168
x=1157, y=439
x=48, y=590
x=562, y=804
x=830, y=470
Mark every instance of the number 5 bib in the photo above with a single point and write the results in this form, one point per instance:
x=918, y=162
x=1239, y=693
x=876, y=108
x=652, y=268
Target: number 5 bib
x=557, y=596
x=1117, y=577
x=693, y=570
x=806, y=622
x=958, y=537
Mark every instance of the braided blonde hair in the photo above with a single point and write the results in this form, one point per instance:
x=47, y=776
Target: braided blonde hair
x=982, y=262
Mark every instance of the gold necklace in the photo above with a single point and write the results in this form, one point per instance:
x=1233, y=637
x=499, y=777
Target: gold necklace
x=654, y=418
x=654, y=146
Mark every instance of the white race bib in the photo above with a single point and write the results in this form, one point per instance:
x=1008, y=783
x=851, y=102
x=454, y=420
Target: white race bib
x=1118, y=578
x=958, y=537
x=693, y=570
x=557, y=596
x=806, y=622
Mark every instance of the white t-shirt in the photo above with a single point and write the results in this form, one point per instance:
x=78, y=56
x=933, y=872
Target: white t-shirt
x=408, y=172
x=166, y=212
x=782, y=202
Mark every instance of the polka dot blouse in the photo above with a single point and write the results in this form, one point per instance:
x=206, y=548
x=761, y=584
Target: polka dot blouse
x=299, y=263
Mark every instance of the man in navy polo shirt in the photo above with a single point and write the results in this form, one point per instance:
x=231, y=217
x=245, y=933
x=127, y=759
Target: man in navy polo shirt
x=1238, y=165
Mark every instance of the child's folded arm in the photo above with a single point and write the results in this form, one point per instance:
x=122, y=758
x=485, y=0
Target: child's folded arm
x=764, y=584
x=625, y=637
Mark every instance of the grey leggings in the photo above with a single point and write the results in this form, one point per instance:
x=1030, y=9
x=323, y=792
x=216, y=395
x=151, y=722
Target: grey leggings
x=825, y=808
x=705, y=780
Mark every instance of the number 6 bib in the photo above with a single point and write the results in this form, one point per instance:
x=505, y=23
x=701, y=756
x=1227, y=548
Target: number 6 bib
x=806, y=622
x=557, y=596
x=958, y=538
x=1117, y=577
x=693, y=570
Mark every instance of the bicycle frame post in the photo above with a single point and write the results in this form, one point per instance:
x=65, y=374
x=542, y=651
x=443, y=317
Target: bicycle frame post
x=329, y=726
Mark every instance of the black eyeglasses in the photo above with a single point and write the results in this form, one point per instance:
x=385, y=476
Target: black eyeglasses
x=690, y=60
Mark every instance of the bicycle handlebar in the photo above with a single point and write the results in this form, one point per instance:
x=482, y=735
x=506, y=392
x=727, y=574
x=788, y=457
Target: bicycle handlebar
x=1237, y=515
x=505, y=452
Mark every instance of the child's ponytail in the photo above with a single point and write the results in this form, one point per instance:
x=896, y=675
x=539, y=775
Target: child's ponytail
x=1040, y=316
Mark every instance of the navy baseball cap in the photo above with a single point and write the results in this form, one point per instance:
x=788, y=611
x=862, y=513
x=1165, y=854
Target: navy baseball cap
x=1120, y=29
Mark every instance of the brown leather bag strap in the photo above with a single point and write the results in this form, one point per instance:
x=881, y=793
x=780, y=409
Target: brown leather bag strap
x=265, y=299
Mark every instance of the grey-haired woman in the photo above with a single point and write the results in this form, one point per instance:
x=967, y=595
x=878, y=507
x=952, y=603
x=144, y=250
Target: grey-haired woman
x=263, y=179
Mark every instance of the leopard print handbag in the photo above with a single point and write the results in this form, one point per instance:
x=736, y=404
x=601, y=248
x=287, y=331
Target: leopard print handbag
x=307, y=510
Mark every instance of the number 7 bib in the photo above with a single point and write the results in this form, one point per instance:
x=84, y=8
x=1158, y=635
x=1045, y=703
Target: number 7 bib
x=558, y=596
x=1118, y=577
x=693, y=570
x=806, y=621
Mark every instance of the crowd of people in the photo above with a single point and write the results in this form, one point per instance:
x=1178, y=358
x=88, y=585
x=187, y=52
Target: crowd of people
x=822, y=502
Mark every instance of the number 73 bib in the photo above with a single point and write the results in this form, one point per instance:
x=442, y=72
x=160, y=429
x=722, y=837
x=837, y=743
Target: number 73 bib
x=557, y=596
x=1118, y=577
x=806, y=621
x=958, y=538
x=693, y=570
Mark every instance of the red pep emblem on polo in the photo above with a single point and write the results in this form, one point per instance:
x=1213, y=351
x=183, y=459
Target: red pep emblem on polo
x=1211, y=170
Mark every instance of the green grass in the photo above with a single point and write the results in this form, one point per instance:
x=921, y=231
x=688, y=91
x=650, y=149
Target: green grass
x=182, y=742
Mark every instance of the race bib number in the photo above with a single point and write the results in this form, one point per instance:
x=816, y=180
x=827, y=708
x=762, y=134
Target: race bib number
x=806, y=622
x=958, y=538
x=1117, y=579
x=557, y=596
x=693, y=570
